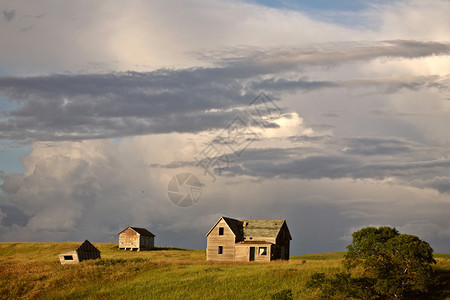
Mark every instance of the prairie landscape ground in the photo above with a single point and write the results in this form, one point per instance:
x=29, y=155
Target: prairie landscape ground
x=32, y=270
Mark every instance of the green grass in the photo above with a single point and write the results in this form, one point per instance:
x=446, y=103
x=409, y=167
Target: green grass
x=32, y=270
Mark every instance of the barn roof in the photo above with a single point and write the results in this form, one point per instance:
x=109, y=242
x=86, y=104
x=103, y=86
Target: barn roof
x=254, y=228
x=141, y=231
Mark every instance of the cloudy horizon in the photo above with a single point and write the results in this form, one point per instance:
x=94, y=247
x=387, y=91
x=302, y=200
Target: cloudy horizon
x=331, y=117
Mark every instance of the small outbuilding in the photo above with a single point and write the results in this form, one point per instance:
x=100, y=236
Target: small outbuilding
x=84, y=252
x=135, y=238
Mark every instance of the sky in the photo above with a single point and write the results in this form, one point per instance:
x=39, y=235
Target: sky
x=333, y=115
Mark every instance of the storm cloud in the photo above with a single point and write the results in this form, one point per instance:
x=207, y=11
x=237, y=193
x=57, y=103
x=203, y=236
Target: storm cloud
x=97, y=116
x=76, y=107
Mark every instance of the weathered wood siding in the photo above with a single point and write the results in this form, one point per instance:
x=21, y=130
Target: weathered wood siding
x=84, y=255
x=147, y=242
x=129, y=239
x=242, y=252
x=64, y=261
x=227, y=241
x=282, y=244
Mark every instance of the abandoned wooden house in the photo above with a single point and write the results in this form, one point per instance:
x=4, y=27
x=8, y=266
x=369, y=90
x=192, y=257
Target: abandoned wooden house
x=248, y=240
x=84, y=252
x=134, y=238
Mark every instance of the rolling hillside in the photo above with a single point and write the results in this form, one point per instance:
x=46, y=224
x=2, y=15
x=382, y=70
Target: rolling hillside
x=32, y=270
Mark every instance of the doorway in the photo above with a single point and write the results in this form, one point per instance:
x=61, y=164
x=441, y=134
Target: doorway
x=252, y=253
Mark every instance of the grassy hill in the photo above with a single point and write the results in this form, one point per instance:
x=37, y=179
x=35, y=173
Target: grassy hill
x=32, y=270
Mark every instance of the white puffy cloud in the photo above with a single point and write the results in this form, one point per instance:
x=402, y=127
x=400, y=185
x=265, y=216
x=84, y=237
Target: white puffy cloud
x=146, y=35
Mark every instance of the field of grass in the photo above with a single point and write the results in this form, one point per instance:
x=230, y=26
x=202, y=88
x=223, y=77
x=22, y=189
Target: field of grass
x=32, y=270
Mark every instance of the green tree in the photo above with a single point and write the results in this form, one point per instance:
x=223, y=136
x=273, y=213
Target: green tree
x=389, y=265
x=399, y=263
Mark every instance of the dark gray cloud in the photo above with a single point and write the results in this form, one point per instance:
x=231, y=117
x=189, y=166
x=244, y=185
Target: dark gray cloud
x=382, y=85
x=108, y=105
x=12, y=182
x=13, y=216
x=311, y=167
x=362, y=158
x=341, y=166
x=282, y=84
x=9, y=14
x=87, y=106
x=325, y=54
x=379, y=146
x=306, y=138
x=439, y=183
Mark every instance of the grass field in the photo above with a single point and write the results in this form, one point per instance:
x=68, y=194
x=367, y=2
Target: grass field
x=32, y=270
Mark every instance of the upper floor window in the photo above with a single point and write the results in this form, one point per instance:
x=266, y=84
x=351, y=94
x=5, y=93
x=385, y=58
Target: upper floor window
x=220, y=230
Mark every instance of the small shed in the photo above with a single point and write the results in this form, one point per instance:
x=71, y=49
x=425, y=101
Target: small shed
x=135, y=238
x=84, y=252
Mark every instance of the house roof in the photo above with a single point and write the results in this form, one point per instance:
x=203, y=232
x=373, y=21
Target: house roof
x=141, y=231
x=263, y=228
x=235, y=226
x=254, y=228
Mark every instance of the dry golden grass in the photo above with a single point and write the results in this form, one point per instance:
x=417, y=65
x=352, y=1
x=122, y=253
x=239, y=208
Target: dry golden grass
x=32, y=270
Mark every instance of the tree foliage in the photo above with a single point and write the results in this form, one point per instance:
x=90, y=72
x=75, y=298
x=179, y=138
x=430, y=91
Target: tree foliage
x=390, y=264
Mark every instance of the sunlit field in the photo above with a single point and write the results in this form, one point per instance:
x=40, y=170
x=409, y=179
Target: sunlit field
x=32, y=270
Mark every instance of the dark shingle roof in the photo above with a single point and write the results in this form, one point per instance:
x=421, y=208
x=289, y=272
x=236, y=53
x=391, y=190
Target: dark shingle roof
x=86, y=246
x=254, y=228
x=235, y=226
x=142, y=231
x=263, y=228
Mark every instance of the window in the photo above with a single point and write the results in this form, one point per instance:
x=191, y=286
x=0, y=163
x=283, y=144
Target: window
x=68, y=257
x=220, y=249
x=220, y=230
x=262, y=250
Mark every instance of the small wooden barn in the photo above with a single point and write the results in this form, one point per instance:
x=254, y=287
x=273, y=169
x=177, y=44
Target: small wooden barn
x=134, y=238
x=248, y=240
x=84, y=252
